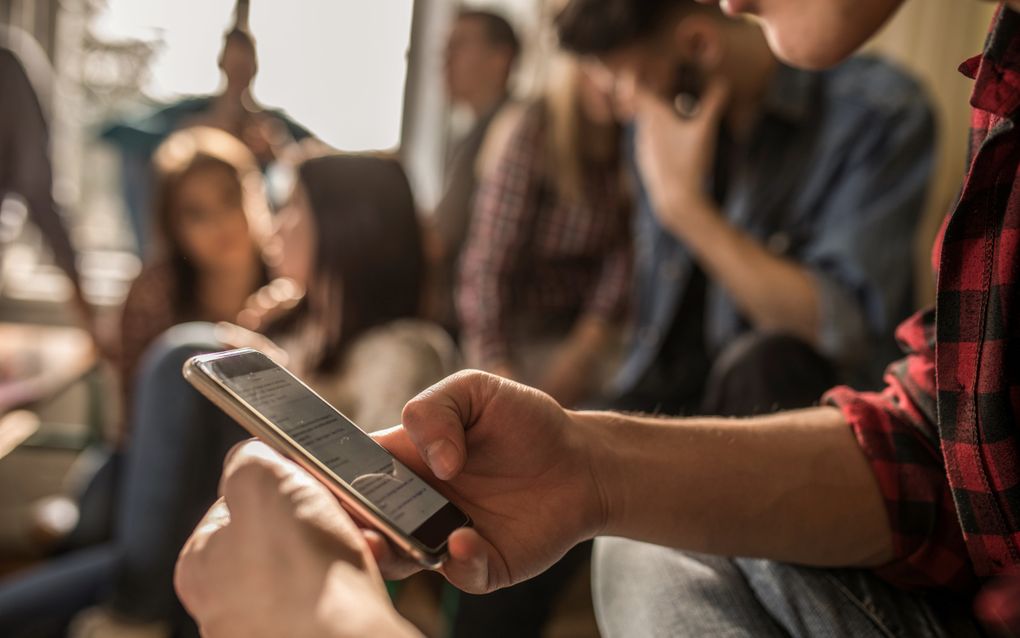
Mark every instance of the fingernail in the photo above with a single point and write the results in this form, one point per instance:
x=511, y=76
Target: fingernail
x=442, y=458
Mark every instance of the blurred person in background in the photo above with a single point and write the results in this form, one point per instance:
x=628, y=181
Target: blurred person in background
x=350, y=239
x=233, y=110
x=480, y=55
x=545, y=276
x=26, y=171
x=545, y=284
x=212, y=222
x=769, y=261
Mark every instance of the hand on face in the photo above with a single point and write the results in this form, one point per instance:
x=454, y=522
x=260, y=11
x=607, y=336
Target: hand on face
x=278, y=556
x=514, y=461
x=675, y=154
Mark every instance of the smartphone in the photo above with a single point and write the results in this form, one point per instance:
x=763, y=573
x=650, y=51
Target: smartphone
x=380, y=491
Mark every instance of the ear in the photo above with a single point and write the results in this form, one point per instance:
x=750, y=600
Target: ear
x=699, y=39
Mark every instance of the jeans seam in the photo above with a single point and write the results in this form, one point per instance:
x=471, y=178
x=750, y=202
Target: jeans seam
x=862, y=606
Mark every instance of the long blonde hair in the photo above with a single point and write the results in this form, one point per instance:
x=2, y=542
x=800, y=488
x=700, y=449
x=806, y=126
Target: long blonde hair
x=570, y=133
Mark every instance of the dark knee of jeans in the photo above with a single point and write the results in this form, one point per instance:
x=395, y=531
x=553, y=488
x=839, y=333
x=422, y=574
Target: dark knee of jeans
x=756, y=352
x=166, y=356
x=762, y=372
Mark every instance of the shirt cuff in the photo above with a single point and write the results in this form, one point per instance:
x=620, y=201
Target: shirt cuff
x=928, y=546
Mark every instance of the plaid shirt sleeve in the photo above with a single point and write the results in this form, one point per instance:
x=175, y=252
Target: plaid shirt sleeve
x=897, y=431
x=505, y=210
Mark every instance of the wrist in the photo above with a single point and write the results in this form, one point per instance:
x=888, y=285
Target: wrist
x=355, y=604
x=593, y=431
x=686, y=211
x=573, y=355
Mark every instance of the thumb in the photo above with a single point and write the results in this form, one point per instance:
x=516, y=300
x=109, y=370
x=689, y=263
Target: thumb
x=435, y=421
x=473, y=565
x=649, y=107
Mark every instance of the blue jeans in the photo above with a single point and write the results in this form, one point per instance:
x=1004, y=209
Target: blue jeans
x=648, y=590
x=167, y=479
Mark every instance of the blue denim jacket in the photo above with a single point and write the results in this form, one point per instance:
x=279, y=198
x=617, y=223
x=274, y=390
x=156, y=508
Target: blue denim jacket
x=834, y=176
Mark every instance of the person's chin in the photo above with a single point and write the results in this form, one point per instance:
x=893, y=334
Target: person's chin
x=808, y=52
x=826, y=35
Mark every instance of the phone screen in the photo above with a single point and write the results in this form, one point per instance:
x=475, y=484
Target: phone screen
x=404, y=498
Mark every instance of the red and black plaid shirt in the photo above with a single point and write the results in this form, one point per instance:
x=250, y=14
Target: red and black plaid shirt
x=944, y=437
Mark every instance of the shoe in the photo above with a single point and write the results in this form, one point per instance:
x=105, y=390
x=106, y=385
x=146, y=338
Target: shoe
x=51, y=520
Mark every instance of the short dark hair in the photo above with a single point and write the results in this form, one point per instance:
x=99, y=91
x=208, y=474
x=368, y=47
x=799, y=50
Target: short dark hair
x=593, y=27
x=498, y=31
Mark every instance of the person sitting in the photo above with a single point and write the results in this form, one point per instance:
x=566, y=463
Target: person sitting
x=545, y=273
x=783, y=276
x=212, y=222
x=211, y=226
x=481, y=51
x=877, y=514
x=349, y=238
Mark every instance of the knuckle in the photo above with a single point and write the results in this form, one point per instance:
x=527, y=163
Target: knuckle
x=188, y=579
x=472, y=376
x=198, y=566
x=415, y=410
x=236, y=449
x=251, y=478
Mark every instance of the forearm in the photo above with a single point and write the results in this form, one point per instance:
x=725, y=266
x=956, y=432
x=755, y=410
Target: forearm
x=775, y=293
x=572, y=371
x=588, y=336
x=794, y=486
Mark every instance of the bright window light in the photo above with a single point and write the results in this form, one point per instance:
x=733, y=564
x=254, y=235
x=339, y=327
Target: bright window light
x=335, y=66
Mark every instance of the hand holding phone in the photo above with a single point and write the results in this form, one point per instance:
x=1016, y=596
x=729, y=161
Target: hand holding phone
x=279, y=556
x=376, y=488
x=515, y=461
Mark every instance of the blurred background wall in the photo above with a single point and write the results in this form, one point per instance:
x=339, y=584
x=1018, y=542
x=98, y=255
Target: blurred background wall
x=931, y=38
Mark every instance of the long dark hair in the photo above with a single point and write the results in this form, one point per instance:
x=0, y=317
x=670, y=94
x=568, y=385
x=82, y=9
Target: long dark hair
x=185, y=153
x=369, y=262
